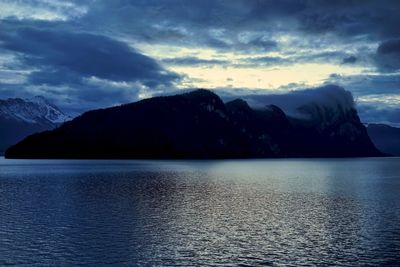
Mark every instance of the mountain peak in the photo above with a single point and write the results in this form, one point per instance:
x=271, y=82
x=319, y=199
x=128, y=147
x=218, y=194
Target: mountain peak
x=202, y=95
x=22, y=117
x=206, y=98
x=36, y=110
x=238, y=103
x=201, y=92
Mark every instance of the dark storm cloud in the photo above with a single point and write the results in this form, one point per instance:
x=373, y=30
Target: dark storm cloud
x=76, y=70
x=388, y=55
x=389, y=47
x=375, y=19
x=263, y=44
x=348, y=19
x=65, y=57
x=191, y=23
x=349, y=60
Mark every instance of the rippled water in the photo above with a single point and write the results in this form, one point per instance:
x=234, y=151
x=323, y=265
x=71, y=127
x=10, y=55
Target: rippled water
x=238, y=212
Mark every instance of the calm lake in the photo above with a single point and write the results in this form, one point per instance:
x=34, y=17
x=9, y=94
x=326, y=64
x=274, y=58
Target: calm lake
x=225, y=212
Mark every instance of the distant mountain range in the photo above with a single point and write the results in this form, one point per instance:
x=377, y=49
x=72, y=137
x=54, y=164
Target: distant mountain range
x=385, y=137
x=22, y=117
x=199, y=125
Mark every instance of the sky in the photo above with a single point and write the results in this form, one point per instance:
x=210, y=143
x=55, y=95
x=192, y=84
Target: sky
x=96, y=53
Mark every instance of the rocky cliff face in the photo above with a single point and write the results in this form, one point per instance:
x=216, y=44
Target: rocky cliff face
x=199, y=125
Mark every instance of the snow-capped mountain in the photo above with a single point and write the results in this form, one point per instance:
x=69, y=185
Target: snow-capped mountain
x=22, y=117
x=36, y=110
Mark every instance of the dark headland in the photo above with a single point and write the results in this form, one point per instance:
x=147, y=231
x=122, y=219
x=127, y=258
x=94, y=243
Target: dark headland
x=199, y=125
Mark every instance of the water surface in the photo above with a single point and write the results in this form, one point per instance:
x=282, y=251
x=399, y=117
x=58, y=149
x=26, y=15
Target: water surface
x=229, y=212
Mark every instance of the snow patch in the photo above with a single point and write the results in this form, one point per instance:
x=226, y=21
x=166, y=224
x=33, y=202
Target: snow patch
x=34, y=110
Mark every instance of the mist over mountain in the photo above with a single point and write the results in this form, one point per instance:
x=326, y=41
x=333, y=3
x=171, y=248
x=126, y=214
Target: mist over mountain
x=22, y=117
x=200, y=125
x=295, y=103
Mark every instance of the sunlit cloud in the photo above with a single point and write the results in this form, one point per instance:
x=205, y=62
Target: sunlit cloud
x=262, y=78
x=388, y=100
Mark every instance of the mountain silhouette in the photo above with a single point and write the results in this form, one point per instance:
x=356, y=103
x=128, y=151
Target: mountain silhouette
x=198, y=125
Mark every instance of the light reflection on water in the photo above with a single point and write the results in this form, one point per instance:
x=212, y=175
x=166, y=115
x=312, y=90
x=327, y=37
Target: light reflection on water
x=237, y=212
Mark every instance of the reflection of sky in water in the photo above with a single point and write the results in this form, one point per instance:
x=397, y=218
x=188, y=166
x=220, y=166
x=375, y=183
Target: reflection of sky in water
x=200, y=212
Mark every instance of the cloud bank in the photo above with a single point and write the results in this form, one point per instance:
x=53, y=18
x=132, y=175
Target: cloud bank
x=86, y=54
